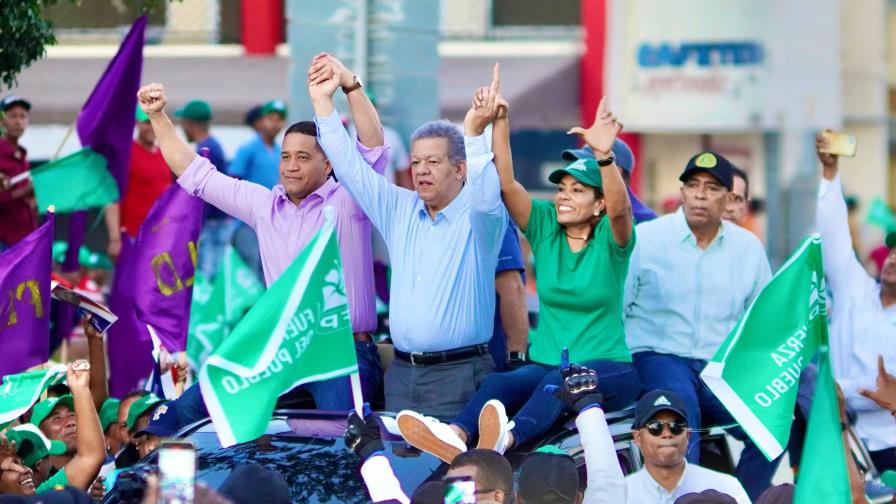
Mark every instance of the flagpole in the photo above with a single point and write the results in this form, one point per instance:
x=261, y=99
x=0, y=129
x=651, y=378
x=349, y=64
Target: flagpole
x=68, y=133
x=357, y=396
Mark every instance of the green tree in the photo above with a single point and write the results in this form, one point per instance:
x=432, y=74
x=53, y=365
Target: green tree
x=25, y=33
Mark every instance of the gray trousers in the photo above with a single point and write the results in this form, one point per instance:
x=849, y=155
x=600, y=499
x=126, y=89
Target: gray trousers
x=439, y=391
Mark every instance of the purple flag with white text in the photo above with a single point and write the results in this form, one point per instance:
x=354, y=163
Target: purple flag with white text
x=164, y=263
x=25, y=304
x=127, y=341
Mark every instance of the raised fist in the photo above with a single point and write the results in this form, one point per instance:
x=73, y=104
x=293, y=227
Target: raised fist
x=151, y=98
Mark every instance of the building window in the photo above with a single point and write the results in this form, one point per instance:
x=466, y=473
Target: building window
x=545, y=13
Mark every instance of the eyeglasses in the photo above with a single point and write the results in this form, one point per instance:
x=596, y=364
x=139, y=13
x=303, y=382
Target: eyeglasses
x=676, y=427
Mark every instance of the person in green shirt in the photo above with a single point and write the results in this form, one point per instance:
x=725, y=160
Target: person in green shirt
x=582, y=241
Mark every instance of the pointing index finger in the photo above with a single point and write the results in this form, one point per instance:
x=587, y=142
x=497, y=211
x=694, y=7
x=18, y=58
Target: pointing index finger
x=496, y=77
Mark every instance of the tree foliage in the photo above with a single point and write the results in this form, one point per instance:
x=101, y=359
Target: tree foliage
x=25, y=33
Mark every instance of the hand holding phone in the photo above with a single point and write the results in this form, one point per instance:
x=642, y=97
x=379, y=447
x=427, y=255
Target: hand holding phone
x=839, y=144
x=177, y=472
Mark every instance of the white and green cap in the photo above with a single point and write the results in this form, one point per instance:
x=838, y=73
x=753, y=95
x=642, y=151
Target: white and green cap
x=32, y=445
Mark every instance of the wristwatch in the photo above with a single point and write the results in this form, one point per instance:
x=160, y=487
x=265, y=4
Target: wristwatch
x=357, y=84
x=606, y=162
x=517, y=357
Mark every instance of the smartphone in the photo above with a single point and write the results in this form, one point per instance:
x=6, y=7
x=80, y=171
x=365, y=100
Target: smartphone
x=177, y=472
x=840, y=144
x=460, y=490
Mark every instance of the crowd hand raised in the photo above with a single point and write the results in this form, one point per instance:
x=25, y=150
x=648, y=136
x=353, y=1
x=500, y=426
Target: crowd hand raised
x=323, y=76
x=822, y=143
x=362, y=435
x=89, y=330
x=323, y=65
x=7, y=447
x=97, y=489
x=484, y=109
x=78, y=374
x=885, y=395
x=151, y=98
x=578, y=388
x=602, y=133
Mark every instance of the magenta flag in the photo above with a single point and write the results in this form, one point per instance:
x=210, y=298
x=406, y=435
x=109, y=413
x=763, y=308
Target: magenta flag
x=25, y=304
x=164, y=264
x=127, y=341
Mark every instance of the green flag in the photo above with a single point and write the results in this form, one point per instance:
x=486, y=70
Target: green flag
x=756, y=371
x=881, y=215
x=298, y=332
x=823, y=474
x=18, y=392
x=217, y=308
x=74, y=182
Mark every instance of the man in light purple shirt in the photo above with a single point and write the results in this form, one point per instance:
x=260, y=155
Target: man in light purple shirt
x=286, y=217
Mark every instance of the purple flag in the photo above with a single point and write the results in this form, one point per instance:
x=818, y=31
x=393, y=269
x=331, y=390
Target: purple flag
x=25, y=303
x=127, y=342
x=106, y=121
x=164, y=264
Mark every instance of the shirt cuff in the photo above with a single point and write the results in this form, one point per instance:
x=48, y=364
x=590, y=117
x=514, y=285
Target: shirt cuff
x=476, y=146
x=372, y=154
x=193, y=179
x=330, y=124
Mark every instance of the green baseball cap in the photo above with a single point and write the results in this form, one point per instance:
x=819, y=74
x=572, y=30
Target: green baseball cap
x=32, y=445
x=278, y=106
x=141, y=406
x=140, y=115
x=42, y=410
x=584, y=170
x=109, y=412
x=195, y=110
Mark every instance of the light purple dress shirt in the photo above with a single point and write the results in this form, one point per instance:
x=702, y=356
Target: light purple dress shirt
x=284, y=228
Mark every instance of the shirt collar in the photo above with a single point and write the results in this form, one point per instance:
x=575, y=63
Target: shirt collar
x=321, y=192
x=7, y=148
x=683, y=231
x=659, y=488
x=452, y=212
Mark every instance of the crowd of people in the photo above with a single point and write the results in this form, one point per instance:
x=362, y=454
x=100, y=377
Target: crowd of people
x=639, y=303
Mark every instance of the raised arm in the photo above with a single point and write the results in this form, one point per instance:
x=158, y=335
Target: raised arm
x=516, y=199
x=96, y=356
x=367, y=120
x=600, y=137
x=83, y=468
x=373, y=194
x=177, y=153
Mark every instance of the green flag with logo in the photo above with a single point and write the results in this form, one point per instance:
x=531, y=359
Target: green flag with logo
x=18, y=392
x=823, y=472
x=756, y=371
x=217, y=307
x=298, y=332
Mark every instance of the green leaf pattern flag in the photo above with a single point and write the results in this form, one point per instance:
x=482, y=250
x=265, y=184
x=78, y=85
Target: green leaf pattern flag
x=298, y=332
x=217, y=308
x=18, y=392
x=756, y=371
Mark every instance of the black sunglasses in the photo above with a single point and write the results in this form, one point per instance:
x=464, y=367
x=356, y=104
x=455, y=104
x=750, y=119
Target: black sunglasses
x=676, y=427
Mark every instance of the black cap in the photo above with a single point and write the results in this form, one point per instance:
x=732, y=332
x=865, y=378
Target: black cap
x=655, y=401
x=13, y=100
x=712, y=163
x=781, y=494
x=252, y=115
x=255, y=483
x=706, y=497
x=549, y=477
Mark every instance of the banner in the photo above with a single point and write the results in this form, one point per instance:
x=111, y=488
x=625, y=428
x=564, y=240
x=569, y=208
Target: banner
x=25, y=300
x=756, y=371
x=298, y=332
x=18, y=392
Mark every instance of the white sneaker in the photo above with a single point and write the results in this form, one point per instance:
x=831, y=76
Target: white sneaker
x=430, y=435
x=494, y=429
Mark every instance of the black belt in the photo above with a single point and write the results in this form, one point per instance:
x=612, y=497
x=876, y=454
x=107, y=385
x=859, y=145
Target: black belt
x=444, y=357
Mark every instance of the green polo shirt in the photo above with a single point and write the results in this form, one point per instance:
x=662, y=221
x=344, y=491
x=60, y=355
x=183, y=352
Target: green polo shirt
x=580, y=293
x=57, y=480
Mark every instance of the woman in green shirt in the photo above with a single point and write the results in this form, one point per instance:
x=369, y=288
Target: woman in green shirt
x=582, y=241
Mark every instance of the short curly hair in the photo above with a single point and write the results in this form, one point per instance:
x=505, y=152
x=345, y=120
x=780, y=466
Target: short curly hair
x=447, y=130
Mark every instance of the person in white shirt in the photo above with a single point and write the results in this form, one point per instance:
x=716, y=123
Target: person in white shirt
x=862, y=317
x=660, y=430
x=691, y=277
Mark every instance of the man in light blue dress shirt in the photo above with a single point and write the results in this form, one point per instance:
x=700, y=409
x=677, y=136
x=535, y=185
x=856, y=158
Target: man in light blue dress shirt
x=692, y=276
x=443, y=238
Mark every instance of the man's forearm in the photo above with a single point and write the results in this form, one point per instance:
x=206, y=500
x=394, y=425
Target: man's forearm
x=367, y=120
x=178, y=155
x=96, y=356
x=83, y=469
x=322, y=106
x=513, y=310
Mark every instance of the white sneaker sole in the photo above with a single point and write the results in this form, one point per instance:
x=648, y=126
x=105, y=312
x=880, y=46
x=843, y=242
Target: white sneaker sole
x=491, y=418
x=417, y=433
